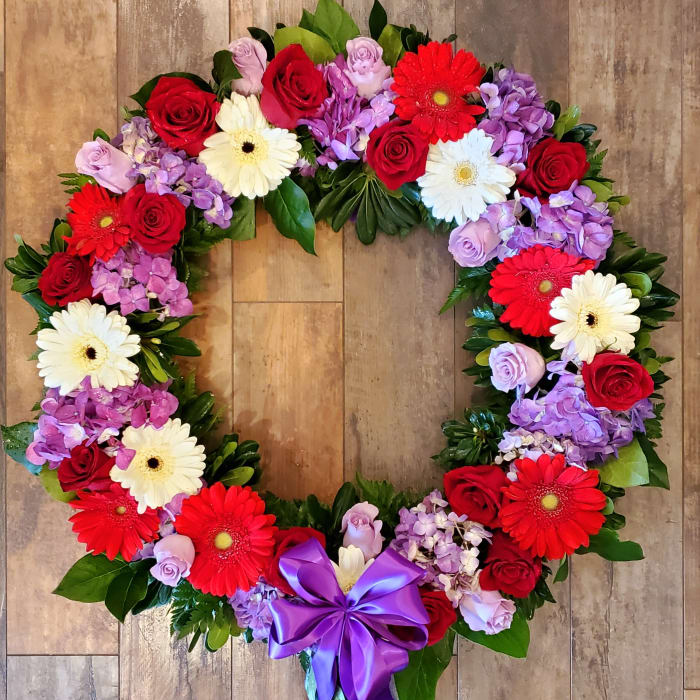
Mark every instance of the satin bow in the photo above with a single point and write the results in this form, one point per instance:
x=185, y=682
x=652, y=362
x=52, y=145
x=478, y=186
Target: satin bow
x=355, y=633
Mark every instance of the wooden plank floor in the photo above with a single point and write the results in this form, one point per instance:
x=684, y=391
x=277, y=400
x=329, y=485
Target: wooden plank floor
x=340, y=363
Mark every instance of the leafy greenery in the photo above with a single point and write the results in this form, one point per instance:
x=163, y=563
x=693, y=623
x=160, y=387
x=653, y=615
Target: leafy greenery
x=128, y=588
x=629, y=468
x=232, y=462
x=15, y=440
x=194, y=407
x=289, y=208
x=472, y=284
x=607, y=544
x=224, y=73
x=315, y=46
x=418, y=681
x=513, y=641
x=377, y=20
x=332, y=23
x=144, y=92
x=88, y=580
x=49, y=480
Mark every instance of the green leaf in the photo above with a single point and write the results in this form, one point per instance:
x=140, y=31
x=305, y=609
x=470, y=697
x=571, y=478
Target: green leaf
x=16, y=439
x=607, y=544
x=513, y=641
x=630, y=468
x=146, y=89
x=100, y=133
x=390, y=41
x=224, y=72
x=418, y=681
x=265, y=39
x=242, y=226
x=562, y=571
x=566, y=121
x=377, y=20
x=345, y=499
x=638, y=282
x=89, y=578
x=52, y=486
x=315, y=46
x=238, y=477
x=127, y=589
x=288, y=206
x=658, y=473
x=335, y=23
x=217, y=635
x=157, y=594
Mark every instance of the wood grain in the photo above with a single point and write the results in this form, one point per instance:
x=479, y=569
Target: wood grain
x=63, y=678
x=691, y=334
x=159, y=36
x=255, y=675
x=41, y=128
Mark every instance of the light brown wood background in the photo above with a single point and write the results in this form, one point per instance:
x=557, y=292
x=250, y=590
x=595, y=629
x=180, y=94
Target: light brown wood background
x=340, y=362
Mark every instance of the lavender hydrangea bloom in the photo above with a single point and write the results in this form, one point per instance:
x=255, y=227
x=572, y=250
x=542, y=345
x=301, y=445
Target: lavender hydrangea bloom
x=95, y=415
x=252, y=609
x=565, y=412
x=516, y=117
x=345, y=121
x=520, y=443
x=132, y=278
x=173, y=172
x=443, y=543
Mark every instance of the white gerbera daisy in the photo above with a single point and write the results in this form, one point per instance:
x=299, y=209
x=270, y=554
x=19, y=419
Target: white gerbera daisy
x=350, y=567
x=248, y=156
x=167, y=461
x=462, y=177
x=596, y=314
x=86, y=341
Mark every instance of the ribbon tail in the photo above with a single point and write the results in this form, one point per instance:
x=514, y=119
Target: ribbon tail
x=325, y=663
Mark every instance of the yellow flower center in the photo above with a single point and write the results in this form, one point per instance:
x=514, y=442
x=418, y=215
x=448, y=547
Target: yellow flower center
x=90, y=354
x=120, y=510
x=550, y=501
x=440, y=98
x=591, y=320
x=223, y=540
x=249, y=146
x=545, y=286
x=106, y=221
x=465, y=174
x=154, y=463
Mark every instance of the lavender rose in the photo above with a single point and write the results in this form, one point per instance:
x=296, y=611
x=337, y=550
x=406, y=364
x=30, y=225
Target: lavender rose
x=365, y=68
x=486, y=611
x=515, y=365
x=473, y=243
x=174, y=556
x=250, y=57
x=363, y=530
x=107, y=164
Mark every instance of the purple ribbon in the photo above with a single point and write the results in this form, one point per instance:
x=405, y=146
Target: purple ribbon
x=353, y=633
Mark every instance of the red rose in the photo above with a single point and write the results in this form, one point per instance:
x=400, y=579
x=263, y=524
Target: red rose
x=65, y=279
x=285, y=540
x=508, y=568
x=87, y=467
x=156, y=220
x=551, y=167
x=441, y=613
x=182, y=114
x=397, y=151
x=293, y=88
x=476, y=492
x=616, y=381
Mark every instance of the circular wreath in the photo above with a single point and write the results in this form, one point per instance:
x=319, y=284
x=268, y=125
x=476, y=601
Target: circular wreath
x=391, y=132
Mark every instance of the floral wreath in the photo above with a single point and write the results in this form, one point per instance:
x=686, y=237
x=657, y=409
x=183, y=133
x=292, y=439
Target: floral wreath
x=390, y=132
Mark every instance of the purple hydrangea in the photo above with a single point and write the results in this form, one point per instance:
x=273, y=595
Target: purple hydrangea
x=515, y=118
x=520, y=443
x=90, y=415
x=443, y=543
x=345, y=120
x=173, y=172
x=565, y=412
x=252, y=609
x=132, y=278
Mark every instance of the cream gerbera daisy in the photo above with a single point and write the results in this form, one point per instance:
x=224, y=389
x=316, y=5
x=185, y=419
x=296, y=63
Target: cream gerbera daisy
x=350, y=567
x=166, y=461
x=86, y=341
x=248, y=156
x=596, y=314
x=462, y=177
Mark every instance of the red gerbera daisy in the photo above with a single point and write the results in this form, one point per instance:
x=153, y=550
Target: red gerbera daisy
x=109, y=522
x=233, y=538
x=99, y=227
x=527, y=283
x=432, y=88
x=552, y=509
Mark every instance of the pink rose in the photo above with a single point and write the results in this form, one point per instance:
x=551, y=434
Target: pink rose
x=513, y=365
x=473, y=243
x=250, y=57
x=362, y=530
x=366, y=69
x=174, y=556
x=107, y=164
x=487, y=611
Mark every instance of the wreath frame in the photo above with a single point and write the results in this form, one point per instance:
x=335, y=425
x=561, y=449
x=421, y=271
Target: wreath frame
x=350, y=190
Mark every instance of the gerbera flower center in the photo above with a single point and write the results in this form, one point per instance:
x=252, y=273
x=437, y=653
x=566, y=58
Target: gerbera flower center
x=223, y=540
x=106, y=221
x=545, y=286
x=120, y=510
x=154, y=463
x=91, y=354
x=249, y=146
x=465, y=174
x=441, y=98
x=591, y=320
x=550, y=501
